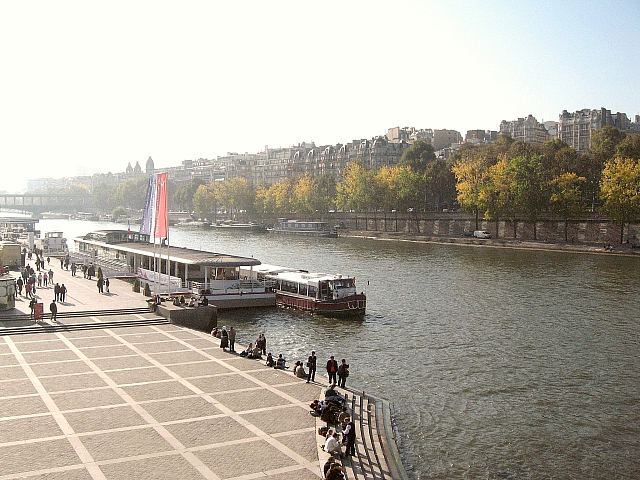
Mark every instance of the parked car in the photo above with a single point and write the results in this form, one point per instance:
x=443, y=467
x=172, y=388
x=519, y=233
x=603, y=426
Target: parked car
x=467, y=234
x=481, y=234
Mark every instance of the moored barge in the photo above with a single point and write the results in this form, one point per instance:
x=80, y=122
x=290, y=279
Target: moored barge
x=320, y=293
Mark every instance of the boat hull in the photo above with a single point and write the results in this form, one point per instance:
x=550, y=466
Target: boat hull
x=306, y=233
x=352, y=306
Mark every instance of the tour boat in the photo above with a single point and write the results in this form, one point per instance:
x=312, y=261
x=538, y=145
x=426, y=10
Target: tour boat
x=321, y=293
x=301, y=227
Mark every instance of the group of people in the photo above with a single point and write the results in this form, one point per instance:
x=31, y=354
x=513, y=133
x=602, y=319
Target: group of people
x=341, y=371
x=102, y=283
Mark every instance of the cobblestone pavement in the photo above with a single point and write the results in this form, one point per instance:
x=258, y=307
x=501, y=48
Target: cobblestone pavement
x=151, y=402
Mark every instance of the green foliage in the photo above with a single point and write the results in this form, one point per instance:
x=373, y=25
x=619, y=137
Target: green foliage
x=118, y=212
x=629, y=147
x=566, y=196
x=204, y=201
x=418, y=156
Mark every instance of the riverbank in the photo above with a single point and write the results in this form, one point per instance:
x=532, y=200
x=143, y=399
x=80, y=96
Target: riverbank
x=496, y=243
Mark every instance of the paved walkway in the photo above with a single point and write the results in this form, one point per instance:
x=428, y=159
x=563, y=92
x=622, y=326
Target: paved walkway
x=82, y=293
x=151, y=402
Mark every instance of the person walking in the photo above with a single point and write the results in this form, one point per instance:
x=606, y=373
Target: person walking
x=48, y=260
x=61, y=263
x=50, y=276
x=45, y=279
x=53, y=307
x=232, y=339
x=332, y=369
x=312, y=361
x=63, y=293
x=19, y=284
x=56, y=292
x=343, y=373
x=100, y=283
x=106, y=285
x=73, y=269
x=40, y=279
x=27, y=290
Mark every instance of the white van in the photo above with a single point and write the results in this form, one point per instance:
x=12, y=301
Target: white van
x=481, y=234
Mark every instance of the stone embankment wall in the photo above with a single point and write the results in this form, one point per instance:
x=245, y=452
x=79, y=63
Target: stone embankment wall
x=588, y=231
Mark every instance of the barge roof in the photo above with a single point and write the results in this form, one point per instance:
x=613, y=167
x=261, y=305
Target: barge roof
x=182, y=255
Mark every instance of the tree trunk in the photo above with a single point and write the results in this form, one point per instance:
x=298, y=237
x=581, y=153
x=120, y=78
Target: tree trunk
x=515, y=229
x=621, y=232
x=497, y=221
x=477, y=214
x=535, y=230
x=566, y=230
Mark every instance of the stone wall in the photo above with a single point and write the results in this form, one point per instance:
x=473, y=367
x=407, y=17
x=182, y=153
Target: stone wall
x=586, y=231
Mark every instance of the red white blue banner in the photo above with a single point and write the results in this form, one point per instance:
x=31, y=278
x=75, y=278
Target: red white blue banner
x=155, y=217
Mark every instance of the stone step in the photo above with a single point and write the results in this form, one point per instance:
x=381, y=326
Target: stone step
x=48, y=328
x=81, y=313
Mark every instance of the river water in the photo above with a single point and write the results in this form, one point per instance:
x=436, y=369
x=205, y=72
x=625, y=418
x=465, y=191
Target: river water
x=500, y=363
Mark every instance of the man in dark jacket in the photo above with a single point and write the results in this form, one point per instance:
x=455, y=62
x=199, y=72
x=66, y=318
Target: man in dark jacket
x=311, y=364
x=54, y=311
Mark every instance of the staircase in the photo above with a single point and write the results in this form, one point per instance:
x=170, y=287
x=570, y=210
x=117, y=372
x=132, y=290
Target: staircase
x=44, y=327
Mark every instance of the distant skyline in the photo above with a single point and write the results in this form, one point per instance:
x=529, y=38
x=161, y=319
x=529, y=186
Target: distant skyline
x=88, y=87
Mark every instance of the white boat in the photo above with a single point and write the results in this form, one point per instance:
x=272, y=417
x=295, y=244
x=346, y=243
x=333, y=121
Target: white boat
x=321, y=293
x=301, y=227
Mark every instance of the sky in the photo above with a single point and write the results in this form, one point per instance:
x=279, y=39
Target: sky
x=89, y=86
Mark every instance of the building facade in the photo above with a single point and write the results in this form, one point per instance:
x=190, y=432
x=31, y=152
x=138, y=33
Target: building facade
x=575, y=129
x=527, y=130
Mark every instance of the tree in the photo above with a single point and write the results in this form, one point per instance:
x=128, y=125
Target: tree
x=620, y=190
x=528, y=186
x=302, y=195
x=566, y=197
x=496, y=194
x=387, y=181
x=355, y=191
x=604, y=142
x=471, y=171
x=629, y=147
x=184, y=193
x=418, y=157
x=204, y=201
x=324, y=193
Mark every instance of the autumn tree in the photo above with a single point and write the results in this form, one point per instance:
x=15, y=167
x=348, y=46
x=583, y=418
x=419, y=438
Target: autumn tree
x=566, y=197
x=324, y=193
x=204, y=200
x=620, y=190
x=356, y=189
x=629, y=147
x=302, y=195
x=528, y=187
x=470, y=169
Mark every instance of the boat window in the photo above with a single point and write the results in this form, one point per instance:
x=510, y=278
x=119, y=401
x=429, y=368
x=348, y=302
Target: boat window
x=312, y=291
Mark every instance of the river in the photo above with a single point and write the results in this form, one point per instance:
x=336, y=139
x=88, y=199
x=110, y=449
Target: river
x=500, y=363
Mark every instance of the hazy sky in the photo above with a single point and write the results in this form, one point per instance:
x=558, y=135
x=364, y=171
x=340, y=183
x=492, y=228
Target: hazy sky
x=89, y=86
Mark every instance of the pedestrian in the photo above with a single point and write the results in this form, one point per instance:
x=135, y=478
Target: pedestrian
x=261, y=343
x=19, y=284
x=56, y=292
x=349, y=435
x=63, y=293
x=311, y=365
x=332, y=369
x=343, y=373
x=54, y=311
x=27, y=290
x=224, y=339
x=48, y=260
x=106, y=284
x=45, y=279
x=40, y=279
x=232, y=338
x=61, y=263
x=73, y=269
x=100, y=283
x=50, y=276
x=32, y=306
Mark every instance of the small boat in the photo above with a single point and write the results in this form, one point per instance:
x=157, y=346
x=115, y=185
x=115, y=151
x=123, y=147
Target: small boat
x=321, y=293
x=301, y=227
x=251, y=226
x=192, y=224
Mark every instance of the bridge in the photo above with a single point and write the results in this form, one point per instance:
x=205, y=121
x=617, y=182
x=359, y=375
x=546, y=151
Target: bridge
x=40, y=202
